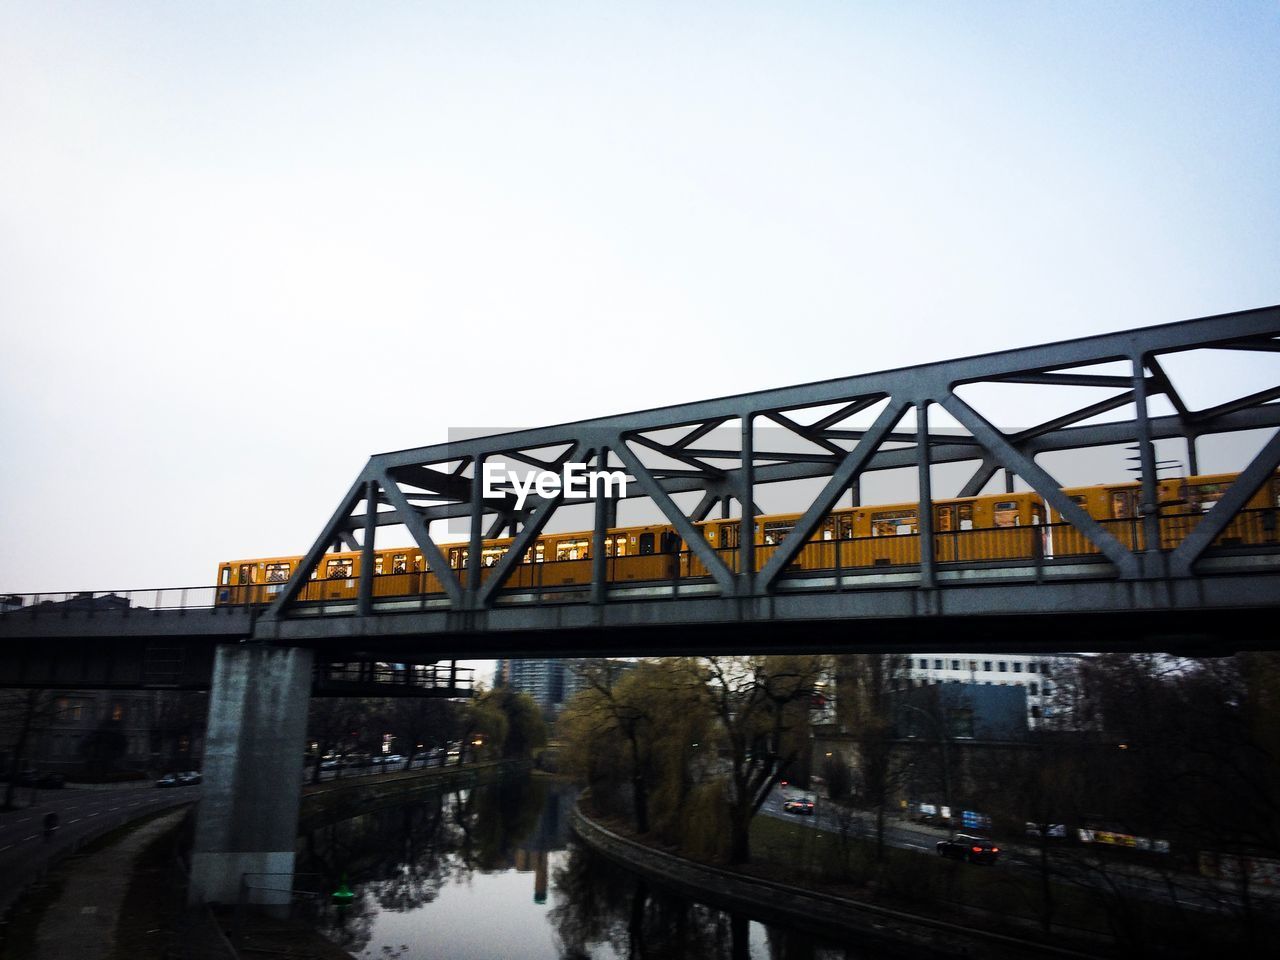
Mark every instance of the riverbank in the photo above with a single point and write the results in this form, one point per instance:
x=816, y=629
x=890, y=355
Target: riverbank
x=833, y=911
x=123, y=897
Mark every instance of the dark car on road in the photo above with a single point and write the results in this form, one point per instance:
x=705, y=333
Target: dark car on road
x=802, y=805
x=169, y=780
x=971, y=849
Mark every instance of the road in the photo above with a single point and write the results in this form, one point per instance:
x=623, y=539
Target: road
x=1095, y=871
x=82, y=813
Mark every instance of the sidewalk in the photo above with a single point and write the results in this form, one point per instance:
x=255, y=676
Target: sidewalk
x=82, y=922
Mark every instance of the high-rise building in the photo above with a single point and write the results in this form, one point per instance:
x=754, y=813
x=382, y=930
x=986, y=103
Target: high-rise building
x=550, y=682
x=1037, y=673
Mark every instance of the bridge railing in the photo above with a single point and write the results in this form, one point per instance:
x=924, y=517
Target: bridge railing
x=553, y=581
x=113, y=602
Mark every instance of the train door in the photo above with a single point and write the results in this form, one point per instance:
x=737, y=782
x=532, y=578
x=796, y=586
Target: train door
x=646, y=544
x=245, y=581
x=729, y=533
x=946, y=541
x=1124, y=507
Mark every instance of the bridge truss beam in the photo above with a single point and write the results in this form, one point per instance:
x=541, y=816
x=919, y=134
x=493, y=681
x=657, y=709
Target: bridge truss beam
x=680, y=453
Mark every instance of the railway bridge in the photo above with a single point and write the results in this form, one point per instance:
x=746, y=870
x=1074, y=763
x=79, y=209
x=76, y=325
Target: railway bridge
x=483, y=573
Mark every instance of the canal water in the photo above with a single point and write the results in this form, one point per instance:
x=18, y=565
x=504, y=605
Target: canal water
x=494, y=872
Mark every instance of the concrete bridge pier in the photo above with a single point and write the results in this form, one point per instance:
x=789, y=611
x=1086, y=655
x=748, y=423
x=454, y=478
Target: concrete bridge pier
x=247, y=821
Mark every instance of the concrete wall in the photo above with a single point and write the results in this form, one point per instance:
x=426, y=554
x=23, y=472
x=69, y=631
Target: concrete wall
x=248, y=816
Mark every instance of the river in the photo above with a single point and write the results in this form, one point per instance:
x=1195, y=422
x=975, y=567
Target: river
x=494, y=872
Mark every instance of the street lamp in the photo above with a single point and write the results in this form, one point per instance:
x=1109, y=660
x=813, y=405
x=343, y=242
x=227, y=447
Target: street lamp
x=942, y=742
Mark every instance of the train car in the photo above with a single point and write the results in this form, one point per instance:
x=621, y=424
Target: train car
x=1182, y=501
x=1003, y=526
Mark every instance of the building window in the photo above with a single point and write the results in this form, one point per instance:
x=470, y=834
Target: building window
x=1004, y=667
x=1034, y=688
x=955, y=664
x=1017, y=667
x=1035, y=713
x=1031, y=667
x=1047, y=688
x=960, y=722
x=117, y=712
x=986, y=665
x=924, y=664
x=937, y=664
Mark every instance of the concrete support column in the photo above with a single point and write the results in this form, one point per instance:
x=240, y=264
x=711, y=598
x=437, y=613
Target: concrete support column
x=247, y=821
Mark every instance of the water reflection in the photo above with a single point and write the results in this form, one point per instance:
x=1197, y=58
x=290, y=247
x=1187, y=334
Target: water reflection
x=492, y=872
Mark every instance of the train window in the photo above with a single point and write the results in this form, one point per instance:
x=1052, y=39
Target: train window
x=277, y=572
x=729, y=535
x=1122, y=504
x=246, y=573
x=893, y=523
x=417, y=562
x=615, y=546
x=377, y=565
x=225, y=578
x=1005, y=514
x=340, y=569
x=845, y=522
x=490, y=556
x=646, y=544
x=966, y=516
x=399, y=563
x=778, y=530
x=457, y=557
x=1204, y=495
x=944, y=519
x=1275, y=493
x=573, y=549
x=536, y=555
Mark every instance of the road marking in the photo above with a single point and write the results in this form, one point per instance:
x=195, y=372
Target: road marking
x=94, y=814
x=32, y=837
x=112, y=809
x=9, y=847
x=76, y=820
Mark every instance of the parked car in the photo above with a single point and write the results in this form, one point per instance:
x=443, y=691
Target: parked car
x=969, y=848
x=801, y=805
x=169, y=780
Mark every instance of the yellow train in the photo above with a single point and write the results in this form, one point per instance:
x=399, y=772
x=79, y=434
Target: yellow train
x=995, y=527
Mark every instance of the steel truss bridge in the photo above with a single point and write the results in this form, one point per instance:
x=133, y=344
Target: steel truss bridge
x=693, y=461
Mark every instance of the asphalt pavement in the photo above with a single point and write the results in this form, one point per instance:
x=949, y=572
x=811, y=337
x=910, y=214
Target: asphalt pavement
x=1188, y=890
x=83, y=814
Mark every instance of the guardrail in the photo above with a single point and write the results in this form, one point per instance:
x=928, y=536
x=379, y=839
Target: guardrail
x=1035, y=545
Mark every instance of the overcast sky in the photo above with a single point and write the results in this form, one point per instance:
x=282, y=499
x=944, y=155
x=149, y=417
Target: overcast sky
x=245, y=246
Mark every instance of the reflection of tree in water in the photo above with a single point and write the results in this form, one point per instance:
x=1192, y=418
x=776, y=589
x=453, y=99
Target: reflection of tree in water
x=505, y=814
x=597, y=903
x=399, y=858
x=349, y=927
